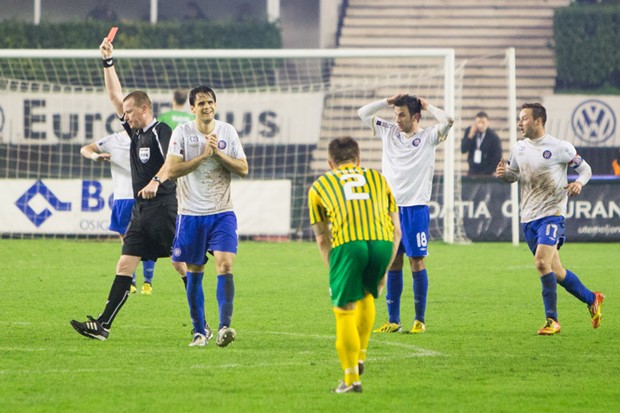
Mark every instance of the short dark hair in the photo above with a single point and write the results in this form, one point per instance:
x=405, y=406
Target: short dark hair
x=198, y=90
x=482, y=114
x=538, y=111
x=345, y=149
x=140, y=98
x=180, y=96
x=412, y=102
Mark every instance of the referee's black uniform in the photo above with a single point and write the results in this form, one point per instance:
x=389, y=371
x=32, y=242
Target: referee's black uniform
x=151, y=229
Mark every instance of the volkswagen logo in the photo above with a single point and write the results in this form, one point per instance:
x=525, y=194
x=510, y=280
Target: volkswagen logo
x=593, y=121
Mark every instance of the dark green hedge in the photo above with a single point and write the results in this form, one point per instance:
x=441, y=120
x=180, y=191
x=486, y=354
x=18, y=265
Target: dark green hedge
x=251, y=34
x=587, y=41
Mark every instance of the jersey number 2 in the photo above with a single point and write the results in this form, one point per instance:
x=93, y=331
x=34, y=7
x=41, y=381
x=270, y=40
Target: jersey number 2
x=357, y=181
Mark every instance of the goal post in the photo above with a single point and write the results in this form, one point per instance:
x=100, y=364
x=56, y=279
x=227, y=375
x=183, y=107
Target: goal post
x=286, y=104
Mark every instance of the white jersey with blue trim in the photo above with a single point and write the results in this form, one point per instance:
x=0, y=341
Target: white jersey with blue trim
x=206, y=190
x=117, y=145
x=408, y=162
x=541, y=165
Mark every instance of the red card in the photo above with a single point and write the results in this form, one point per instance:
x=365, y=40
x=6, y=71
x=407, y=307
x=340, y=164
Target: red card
x=112, y=33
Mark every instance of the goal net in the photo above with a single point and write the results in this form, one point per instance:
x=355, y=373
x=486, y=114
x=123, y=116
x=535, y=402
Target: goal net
x=286, y=105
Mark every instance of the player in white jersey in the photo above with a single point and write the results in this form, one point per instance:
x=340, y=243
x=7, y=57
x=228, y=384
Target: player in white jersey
x=539, y=164
x=408, y=165
x=203, y=155
x=115, y=149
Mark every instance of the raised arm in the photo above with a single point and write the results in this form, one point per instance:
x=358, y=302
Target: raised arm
x=445, y=120
x=366, y=112
x=112, y=83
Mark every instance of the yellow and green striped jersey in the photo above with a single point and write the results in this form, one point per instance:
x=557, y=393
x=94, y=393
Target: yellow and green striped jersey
x=356, y=201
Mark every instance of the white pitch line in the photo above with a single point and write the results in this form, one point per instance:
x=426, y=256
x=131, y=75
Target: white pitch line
x=422, y=352
x=413, y=352
x=16, y=323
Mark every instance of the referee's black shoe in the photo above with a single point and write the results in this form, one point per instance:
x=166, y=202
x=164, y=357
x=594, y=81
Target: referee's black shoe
x=91, y=329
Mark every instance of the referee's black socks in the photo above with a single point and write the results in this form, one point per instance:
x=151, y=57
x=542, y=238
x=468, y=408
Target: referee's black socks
x=117, y=297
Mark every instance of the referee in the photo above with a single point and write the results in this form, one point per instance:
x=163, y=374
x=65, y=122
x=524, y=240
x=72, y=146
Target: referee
x=151, y=229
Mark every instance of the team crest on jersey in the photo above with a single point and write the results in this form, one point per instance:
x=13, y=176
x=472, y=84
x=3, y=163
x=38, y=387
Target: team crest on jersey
x=378, y=123
x=176, y=252
x=193, y=139
x=416, y=142
x=221, y=145
x=547, y=154
x=145, y=154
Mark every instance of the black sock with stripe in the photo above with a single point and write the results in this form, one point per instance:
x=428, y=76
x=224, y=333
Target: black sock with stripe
x=117, y=297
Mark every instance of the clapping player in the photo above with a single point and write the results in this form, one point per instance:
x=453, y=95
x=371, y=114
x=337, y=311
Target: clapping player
x=202, y=156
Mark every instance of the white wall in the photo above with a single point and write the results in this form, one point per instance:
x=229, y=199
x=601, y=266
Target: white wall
x=329, y=23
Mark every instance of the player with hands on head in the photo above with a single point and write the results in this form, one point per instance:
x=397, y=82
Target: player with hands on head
x=358, y=205
x=408, y=165
x=151, y=229
x=202, y=157
x=539, y=163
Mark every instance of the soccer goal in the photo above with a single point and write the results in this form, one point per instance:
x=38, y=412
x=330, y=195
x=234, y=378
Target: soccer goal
x=286, y=105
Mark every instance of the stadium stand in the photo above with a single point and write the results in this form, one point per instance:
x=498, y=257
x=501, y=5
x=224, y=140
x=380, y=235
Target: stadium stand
x=479, y=30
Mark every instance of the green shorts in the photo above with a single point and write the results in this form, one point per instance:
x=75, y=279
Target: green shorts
x=356, y=268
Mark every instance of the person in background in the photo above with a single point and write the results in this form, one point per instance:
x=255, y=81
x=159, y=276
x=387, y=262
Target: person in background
x=482, y=146
x=358, y=205
x=115, y=149
x=177, y=114
x=539, y=163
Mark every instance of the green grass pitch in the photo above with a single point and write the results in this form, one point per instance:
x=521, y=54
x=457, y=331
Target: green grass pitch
x=480, y=352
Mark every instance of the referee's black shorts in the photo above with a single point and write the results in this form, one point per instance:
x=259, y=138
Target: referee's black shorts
x=151, y=229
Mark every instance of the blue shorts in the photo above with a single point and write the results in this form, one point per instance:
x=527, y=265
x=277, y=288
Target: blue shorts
x=414, y=227
x=121, y=215
x=546, y=231
x=197, y=235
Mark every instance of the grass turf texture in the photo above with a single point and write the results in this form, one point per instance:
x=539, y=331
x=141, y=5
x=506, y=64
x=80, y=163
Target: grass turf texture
x=480, y=351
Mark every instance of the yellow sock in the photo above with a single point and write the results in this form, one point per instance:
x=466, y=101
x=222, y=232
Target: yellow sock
x=347, y=344
x=365, y=317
